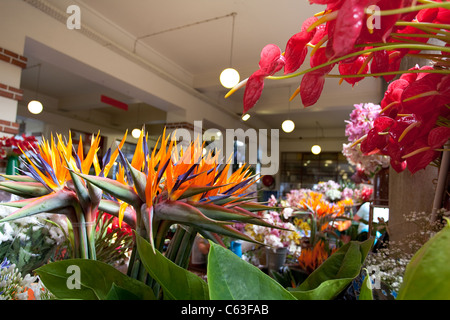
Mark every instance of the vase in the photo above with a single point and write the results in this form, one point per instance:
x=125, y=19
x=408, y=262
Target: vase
x=12, y=166
x=275, y=258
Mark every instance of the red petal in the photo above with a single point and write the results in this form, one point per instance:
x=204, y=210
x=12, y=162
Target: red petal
x=438, y=137
x=318, y=58
x=321, y=31
x=380, y=62
x=311, y=87
x=444, y=90
x=354, y=68
x=398, y=166
x=421, y=160
x=271, y=59
x=296, y=51
x=443, y=16
x=382, y=123
x=253, y=90
x=424, y=104
x=348, y=26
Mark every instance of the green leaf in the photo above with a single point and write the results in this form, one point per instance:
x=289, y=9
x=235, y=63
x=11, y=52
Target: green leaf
x=32, y=189
x=193, y=190
x=96, y=280
x=115, y=188
x=336, y=273
x=20, y=178
x=176, y=282
x=49, y=203
x=366, y=289
x=119, y=293
x=231, y=278
x=426, y=275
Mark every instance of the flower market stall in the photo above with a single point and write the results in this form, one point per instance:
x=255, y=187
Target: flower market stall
x=72, y=229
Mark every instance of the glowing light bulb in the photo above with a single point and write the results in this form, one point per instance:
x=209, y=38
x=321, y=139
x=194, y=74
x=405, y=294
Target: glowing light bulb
x=35, y=107
x=136, y=133
x=288, y=126
x=245, y=117
x=316, y=149
x=229, y=78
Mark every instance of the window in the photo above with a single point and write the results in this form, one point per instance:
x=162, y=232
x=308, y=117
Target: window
x=304, y=170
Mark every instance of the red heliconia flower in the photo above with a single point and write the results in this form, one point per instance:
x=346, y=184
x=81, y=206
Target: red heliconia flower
x=296, y=49
x=359, y=66
x=376, y=141
x=427, y=94
x=271, y=62
x=425, y=149
x=349, y=24
x=381, y=26
x=312, y=82
x=391, y=102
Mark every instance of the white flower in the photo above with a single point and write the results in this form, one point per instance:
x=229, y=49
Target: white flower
x=287, y=213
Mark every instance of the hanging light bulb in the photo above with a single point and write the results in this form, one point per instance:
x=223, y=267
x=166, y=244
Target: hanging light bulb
x=316, y=149
x=229, y=78
x=288, y=126
x=136, y=133
x=35, y=107
x=245, y=117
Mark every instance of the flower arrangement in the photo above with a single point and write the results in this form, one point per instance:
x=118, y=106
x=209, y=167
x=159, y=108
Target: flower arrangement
x=13, y=286
x=285, y=236
x=311, y=258
x=360, y=123
x=13, y=145
x=30, y=242
x=392, y=261
x=413, y=124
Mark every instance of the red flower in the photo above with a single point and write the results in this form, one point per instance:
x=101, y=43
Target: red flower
x=359, y=66
x=296, y=49
x=427, y=145
x=312, y=82
x=376, y=141
x=349, y=24
x=271, y=62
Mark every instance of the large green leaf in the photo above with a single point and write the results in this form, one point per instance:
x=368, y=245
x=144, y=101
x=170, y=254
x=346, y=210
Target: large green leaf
x=427, y=274
x=231, y=278
x=176, y=282
x=96, y=280
x=336, y=273
x=366, y=289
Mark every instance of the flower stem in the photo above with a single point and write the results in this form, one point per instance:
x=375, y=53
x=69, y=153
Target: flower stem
x=354, y=54
x=445, y=5
x=419, y=25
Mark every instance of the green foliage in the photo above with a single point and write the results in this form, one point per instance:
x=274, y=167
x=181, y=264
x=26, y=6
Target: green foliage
x=426, y=276
x=335, y=274
x=98, y=281
x=366, y=289
x=177, y=283
x=231, y=278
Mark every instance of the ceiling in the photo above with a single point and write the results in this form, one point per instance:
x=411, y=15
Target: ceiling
x=195, y=39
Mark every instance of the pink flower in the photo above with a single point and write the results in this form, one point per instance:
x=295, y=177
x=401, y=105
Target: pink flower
x=271, y=62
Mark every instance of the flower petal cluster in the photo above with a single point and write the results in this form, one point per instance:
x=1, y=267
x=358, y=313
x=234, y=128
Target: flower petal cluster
x=408, y=129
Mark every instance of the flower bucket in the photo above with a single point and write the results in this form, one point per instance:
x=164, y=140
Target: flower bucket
x=12, y=167
x=275, y=258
